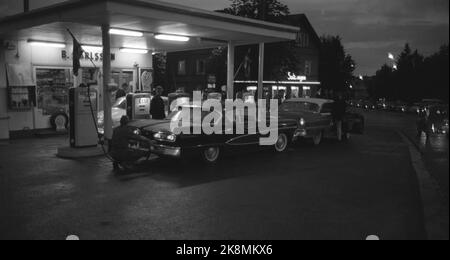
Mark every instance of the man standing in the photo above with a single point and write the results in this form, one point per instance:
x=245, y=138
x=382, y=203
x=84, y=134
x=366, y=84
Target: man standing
x=339, y=110
x=157, y=110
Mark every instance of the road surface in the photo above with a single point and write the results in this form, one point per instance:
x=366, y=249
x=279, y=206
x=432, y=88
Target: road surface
x=335, y=191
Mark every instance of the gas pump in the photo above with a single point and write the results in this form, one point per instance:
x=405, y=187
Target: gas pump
x=83, y=117
x=138, y=106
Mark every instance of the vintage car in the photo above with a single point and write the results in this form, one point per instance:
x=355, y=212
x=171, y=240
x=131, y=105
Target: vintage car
x=315, y=117
x=166, y=143
x=434, y=121
x=119, y=109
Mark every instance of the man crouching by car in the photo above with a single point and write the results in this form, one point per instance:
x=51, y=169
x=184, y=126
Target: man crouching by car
x=121, y=151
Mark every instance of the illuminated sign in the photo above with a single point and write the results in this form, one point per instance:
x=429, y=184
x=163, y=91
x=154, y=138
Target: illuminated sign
x=292, y=76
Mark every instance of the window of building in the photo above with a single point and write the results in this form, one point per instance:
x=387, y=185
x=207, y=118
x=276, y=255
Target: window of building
x=308, y=68
x=182, y=67
x=201, y=67
x=307, y=92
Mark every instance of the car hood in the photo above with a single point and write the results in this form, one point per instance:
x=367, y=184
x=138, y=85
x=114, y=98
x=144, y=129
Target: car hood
x=152, y=125
x=116, y=113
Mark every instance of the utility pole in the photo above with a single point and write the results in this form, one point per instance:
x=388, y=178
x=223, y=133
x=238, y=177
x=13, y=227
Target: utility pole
x=26, y=6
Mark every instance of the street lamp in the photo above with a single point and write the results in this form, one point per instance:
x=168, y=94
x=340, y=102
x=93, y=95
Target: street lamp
x=392, y=58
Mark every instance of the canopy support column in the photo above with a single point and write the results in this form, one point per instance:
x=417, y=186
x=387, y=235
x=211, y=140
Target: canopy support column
x=107, y=106
x=230, y=71
x=261, y=71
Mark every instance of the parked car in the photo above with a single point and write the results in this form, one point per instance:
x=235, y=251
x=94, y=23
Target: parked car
x=382, y=104
x=119, y=109
x=166, y=143
x=369, y=105
x=434, y=121
x=316, y=119
x=416, y=108
x=400, y=106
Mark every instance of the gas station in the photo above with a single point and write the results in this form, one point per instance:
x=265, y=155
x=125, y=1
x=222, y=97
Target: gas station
x=118, y=37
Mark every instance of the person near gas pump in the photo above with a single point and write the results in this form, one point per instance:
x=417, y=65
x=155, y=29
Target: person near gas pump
x=157, y=106
x=120, y=150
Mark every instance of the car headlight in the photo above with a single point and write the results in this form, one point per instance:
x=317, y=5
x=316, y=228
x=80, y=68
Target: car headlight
x=137, y=132
x=171, y=138
x=165, y=137
x=302, y=122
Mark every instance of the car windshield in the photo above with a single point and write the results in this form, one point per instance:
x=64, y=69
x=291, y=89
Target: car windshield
x=299, y=107
x=177, y=115
x=121, y=103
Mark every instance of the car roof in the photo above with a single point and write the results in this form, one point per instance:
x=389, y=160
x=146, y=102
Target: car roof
x=318, y=101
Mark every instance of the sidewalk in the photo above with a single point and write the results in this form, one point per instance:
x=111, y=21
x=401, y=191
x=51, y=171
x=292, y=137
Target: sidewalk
x=435, y=156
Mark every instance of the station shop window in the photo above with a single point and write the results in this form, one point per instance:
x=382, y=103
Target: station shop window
x=21, y=98
x=201, y=67
x=181, y=67
x=53, y=86
x=121, y=77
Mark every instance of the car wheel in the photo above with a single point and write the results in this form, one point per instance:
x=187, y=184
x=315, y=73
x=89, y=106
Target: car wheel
x=282, y=143
x=317, y=139
x=211, y=154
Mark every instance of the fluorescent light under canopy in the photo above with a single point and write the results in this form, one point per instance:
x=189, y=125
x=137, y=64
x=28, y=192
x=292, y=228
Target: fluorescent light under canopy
x=123, y=32
x=47, y=44
x=134, y=50
x=168, y=37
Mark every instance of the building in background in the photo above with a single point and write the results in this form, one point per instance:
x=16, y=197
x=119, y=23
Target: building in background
x=199, y=70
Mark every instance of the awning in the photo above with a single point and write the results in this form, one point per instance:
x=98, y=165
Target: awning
x=205, y=28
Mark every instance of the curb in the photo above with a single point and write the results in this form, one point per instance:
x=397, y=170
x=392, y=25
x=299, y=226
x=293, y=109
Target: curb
x=435, y=205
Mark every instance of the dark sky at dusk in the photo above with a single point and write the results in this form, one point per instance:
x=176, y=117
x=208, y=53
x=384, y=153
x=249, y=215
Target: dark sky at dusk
x=370, y=28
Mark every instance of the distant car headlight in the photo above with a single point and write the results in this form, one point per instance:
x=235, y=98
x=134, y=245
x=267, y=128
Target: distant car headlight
x=302, y=122
x=137, y=132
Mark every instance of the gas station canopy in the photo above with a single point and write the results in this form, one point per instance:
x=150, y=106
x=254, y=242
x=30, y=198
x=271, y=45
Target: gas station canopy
x=84, y=18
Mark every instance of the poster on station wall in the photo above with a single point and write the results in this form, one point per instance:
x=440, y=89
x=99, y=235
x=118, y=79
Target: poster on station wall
x=146, y=79
x=19, y=75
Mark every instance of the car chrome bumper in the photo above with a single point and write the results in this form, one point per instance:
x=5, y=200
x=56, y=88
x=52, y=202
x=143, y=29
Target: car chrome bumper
x=300, y=133
x=165, y=150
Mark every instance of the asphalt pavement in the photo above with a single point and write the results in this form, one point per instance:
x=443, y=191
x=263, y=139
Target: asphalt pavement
x=367, y=186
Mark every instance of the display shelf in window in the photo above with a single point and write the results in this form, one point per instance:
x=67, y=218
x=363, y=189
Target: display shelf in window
x=21, y=98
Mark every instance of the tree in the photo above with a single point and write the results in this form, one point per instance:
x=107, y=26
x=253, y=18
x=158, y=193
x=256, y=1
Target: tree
x=336, y=66
x=269, y=10
x=436, y=73
x=409, y=75
x=417, y=77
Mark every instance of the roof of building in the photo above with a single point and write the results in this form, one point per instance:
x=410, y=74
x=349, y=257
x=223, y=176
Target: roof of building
x=304, y=23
